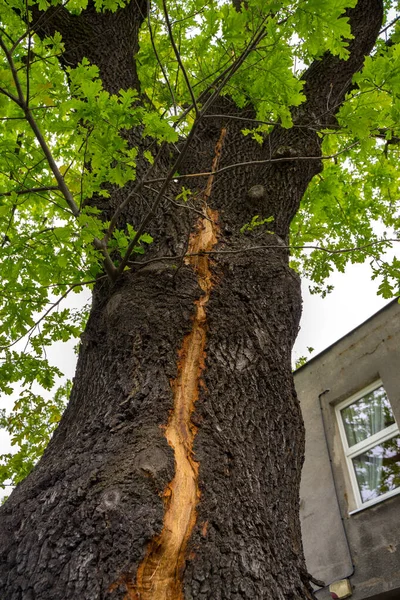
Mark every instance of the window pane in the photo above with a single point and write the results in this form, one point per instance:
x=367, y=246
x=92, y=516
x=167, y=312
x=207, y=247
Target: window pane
x=378, y=469
x=367, y=416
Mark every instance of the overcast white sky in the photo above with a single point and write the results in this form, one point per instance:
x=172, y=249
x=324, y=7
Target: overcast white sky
x=324, y=321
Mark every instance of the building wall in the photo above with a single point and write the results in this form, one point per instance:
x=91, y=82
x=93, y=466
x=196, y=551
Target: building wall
x=364, y=545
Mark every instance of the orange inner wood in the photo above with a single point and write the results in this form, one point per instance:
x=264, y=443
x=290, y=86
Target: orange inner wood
x=159, y=576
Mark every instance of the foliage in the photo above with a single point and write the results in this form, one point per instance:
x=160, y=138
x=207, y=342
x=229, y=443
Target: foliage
x=302, y=360
x=359, y=188
x=255, y=222
x=30, y=425
x=55, y=242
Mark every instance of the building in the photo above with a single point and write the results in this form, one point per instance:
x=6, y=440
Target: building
x=350, y=489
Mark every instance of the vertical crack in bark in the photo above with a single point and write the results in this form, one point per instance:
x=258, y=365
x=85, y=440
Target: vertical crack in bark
x=159, y=576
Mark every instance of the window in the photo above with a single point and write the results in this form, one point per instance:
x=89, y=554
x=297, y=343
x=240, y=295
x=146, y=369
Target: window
x=371, y=441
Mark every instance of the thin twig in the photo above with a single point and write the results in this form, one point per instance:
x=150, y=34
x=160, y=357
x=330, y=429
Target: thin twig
x=63, y=284
x=49, y=188
x=260, y=122
x=134, y=192
x=62, y=186
x=255, y=248
x=4, y=32
x=226, y=65
x=21, y=101
x=175, y=203
x=257, y=162
x=179, y=59
x=389, y=25
x=246, y=119
x=28, y=57
x=229, y=71
x=157, y=200
x=158, y=59
x=48, y=311
x=119, y=209
x=9, y=95
x=14, y=99
x=235, y=66
x=258, y=36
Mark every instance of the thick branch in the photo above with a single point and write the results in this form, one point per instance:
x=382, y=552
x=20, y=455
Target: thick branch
x=107, y=39
x=326, y=84
x=329, y=79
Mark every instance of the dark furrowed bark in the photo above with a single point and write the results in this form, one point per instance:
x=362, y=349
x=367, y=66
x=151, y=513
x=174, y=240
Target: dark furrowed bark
x=82, y=523
x=281, y=185
x=89, y=510
x=265, y=189
x=107, y=39
x=329, y=79
x=250, y=440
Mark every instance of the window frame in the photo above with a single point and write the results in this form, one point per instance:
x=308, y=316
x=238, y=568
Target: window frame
x=351, y=452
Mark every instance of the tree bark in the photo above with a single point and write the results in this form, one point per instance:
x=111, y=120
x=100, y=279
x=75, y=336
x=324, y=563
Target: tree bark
x=174, y=473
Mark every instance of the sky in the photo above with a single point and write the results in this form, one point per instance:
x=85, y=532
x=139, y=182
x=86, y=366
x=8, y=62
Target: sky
x=325, y=320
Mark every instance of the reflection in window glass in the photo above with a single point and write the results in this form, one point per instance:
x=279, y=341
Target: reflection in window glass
x=367, y=416
x=378, y=469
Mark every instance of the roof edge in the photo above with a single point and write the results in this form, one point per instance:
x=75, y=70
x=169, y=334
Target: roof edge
x=328, y=348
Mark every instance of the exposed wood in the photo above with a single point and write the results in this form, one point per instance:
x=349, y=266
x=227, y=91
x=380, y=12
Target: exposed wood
x=159, y=576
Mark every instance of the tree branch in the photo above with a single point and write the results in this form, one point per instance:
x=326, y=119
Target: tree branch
x=393, y=22
x=266, y=161
x=328, y=80
x=282, y=246
x=49, y=188
x=62, y=186
x=22, y=103
x=171, y=91
x=47, y=312
x=259, y=35
x=179, y=59
x=9, y=95
x=109, y=266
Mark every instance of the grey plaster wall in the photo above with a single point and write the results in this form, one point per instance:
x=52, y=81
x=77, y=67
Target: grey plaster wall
x=366, y=544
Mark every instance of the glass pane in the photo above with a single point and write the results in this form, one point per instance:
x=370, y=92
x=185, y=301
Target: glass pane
x=367, y=416
x=378, y=469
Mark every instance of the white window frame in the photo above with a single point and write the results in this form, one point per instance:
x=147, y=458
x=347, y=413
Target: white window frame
x=352, y=451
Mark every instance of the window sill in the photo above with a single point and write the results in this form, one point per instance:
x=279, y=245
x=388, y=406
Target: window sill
x=375, y=501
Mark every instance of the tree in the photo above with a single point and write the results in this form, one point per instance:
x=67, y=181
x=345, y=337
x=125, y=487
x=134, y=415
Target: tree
x=159, y=153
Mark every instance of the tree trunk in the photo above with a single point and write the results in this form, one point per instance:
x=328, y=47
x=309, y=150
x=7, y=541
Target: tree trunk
x=174, y=473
